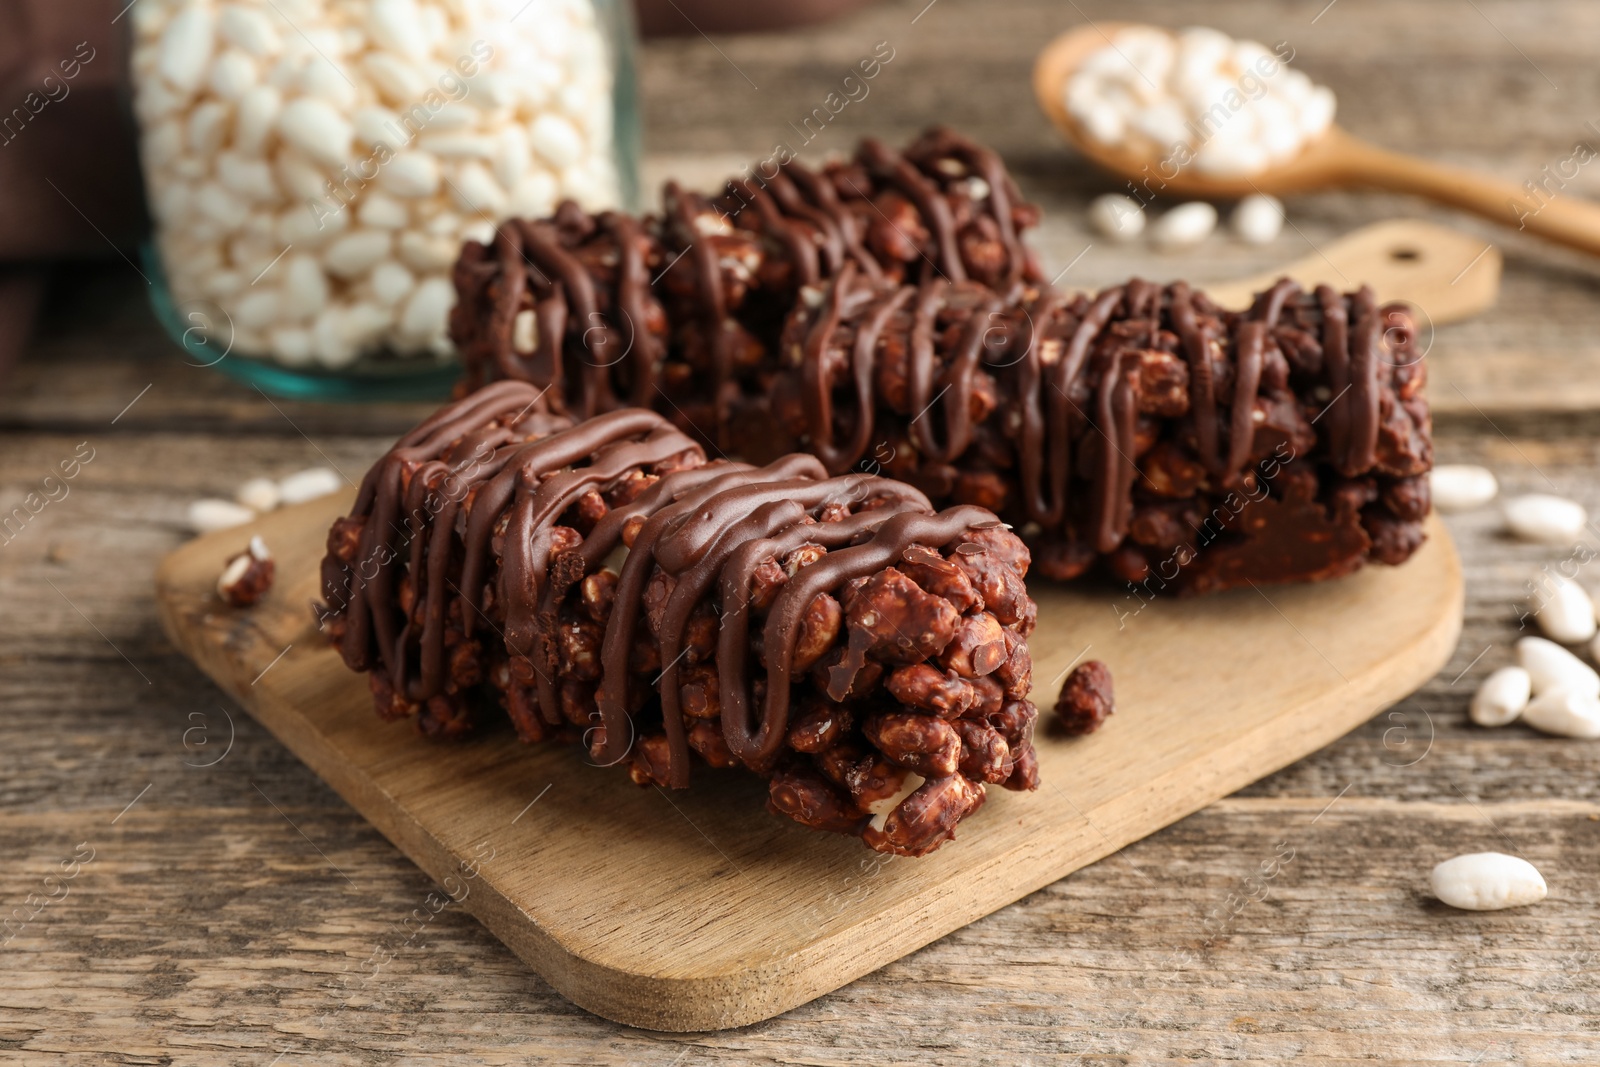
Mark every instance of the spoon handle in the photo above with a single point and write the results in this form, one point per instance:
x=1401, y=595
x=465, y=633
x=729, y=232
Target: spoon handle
x=1549, y=211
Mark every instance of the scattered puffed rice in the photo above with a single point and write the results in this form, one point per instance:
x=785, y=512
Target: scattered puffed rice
x=247, y=576
x=1553, y=667
x=1258, y=219
x=1502, y=696
x=1548, y=519
x=1461, y=487
x=1184, y=226
x=1117, y=217
x=1488, y=881
x=309, y=485
x=1564, y=611
x=258, y=494
x=208, y=515
x=1565, y=713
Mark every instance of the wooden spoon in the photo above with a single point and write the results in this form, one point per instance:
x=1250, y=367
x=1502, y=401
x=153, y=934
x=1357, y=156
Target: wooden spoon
x=1333, y=160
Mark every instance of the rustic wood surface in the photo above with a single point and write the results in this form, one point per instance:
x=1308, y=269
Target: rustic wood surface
x=701, y=911
x=242, y=913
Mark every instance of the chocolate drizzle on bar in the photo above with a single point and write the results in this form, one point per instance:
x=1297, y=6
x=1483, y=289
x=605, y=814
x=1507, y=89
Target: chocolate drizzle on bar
x=1045, y=406
x=710, y=539
x=408, y=502
x=925, y=172
x=483, y=546
x=1046, y=449
x=727, y=269
x=579, y=289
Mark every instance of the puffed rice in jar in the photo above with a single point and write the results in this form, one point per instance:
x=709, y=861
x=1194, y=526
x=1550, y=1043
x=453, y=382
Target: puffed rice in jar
x=313, y=166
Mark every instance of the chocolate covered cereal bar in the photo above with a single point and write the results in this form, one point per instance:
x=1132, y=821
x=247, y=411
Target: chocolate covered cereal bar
x=603, y=583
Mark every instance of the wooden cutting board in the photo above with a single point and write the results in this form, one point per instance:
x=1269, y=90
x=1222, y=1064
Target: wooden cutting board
x=698, y=910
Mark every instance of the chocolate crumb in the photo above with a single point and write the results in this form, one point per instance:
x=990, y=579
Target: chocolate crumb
x=1086, y=698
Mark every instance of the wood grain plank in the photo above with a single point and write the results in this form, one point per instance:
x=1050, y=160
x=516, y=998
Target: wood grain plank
x=215, y=932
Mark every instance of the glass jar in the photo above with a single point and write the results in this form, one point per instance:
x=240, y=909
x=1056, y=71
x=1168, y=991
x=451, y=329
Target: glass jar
x=313, y=167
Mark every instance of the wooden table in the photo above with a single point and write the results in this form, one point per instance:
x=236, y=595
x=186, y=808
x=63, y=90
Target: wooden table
x=240, y=912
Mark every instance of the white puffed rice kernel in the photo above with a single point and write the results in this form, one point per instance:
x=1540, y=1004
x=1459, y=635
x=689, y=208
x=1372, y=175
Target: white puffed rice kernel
x=1488, y=881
